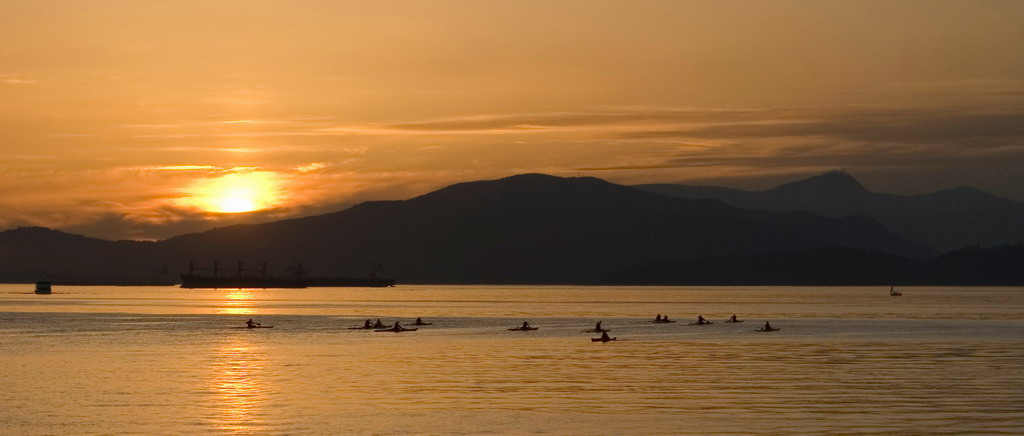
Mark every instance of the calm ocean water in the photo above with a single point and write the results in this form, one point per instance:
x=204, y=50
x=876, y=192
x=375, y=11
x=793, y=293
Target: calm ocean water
x=155, y=360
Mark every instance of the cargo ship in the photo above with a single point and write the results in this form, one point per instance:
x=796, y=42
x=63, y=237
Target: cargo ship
x=293, y=277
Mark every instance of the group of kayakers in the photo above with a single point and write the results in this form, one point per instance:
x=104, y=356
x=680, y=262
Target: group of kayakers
x=703, y=321
x=526, y=325
x=381, y=325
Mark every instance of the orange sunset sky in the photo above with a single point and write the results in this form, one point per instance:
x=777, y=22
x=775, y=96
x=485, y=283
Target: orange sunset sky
x=147, y=119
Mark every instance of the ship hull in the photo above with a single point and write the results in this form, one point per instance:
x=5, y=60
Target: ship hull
x=197, y=281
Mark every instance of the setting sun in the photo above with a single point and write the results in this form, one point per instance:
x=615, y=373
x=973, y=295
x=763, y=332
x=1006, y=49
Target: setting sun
x=237, y=192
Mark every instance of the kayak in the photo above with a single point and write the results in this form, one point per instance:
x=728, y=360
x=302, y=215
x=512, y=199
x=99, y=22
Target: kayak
x=398, y=330
x=767, y=330
x=596, y=331
x=422, y=323
x=699, y=323
x=362, y=328
x=602, y=339
x=664, y=322
x=255, y=327
x=523, y=329
x=734, y=322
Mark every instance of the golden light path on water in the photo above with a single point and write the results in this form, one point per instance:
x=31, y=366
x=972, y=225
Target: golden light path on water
x=240, y=391
x=238, y=302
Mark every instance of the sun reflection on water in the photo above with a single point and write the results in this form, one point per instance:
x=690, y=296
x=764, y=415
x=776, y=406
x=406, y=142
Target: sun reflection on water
x=239, y=388
x=238, y=302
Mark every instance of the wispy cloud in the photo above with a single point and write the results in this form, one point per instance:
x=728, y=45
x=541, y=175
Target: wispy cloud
x=308, y=168
x=176, y=168
x=861, y=123
x=15, y=80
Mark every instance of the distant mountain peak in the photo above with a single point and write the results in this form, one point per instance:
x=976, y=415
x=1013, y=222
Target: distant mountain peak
x=833, y=182
x=537, y=179
x=485, y=190
x=36, y=231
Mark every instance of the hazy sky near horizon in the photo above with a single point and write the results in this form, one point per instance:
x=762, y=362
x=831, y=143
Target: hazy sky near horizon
x=145, y=119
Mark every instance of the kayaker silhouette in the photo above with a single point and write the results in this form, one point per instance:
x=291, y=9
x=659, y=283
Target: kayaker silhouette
x=604, y=336
x=700, y=319
x=367, y=325
x=251, y=324
x=526, y=325
x=378, y=324
x=732, y=318
x=657, y=318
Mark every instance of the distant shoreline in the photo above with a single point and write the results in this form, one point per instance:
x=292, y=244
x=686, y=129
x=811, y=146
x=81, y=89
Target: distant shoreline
x=98, y=282
x=601, y=285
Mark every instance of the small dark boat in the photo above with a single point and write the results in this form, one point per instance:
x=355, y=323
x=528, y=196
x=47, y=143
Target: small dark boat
x=596, y=330
x=255, y=327
x=701, y=323
x=44, y=288
x=363, y=327
x=729, y=321
x=523, y=329
x=664, y=322
x=770, y=329
x=603, y=339
x=422, y=323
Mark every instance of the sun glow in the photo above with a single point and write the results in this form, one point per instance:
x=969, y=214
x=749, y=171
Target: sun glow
x=237, y=192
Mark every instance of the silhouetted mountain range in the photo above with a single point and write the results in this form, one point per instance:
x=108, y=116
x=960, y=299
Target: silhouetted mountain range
x=531, y=229
x=945, y=220
x=522, y=229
